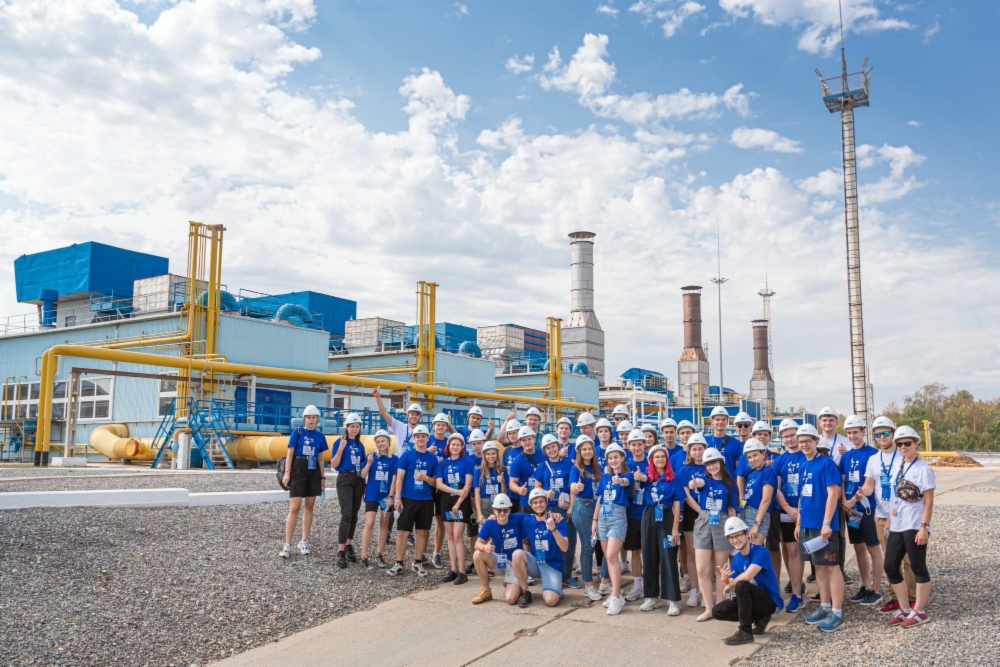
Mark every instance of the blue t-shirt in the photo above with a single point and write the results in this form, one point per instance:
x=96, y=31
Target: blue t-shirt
x=852, y=467
x=789, y=467
x=731, y=448
x=756, y=480
x=381, y=476
x=759, y=556
x=662, y=492
x=716, y=495
x=523, y=470
x=309, y=443
x=488, y=484
x=506, y=539
x=602, y=455
x=570, y=450
x=637, y=500
x=442, y=446
x=816, y=475
x=453, y=471
x=542, y=542
x=614, y=493
x=409, y=463
x=354, y=455
x=554, y=476
x=677, y=457
x=510, y=455
x=689, y=472
x=590, y=482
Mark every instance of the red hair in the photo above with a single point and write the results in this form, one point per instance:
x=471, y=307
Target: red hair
x=668, y=472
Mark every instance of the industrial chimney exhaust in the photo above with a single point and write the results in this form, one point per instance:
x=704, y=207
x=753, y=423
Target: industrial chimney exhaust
x=582, y=336
x=761, y=382
x=692, y=367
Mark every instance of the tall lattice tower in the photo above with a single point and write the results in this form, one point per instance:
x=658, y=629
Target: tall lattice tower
x=842, y=94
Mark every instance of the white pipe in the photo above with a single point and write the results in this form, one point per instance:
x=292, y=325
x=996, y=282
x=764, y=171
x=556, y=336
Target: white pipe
x=183, y=451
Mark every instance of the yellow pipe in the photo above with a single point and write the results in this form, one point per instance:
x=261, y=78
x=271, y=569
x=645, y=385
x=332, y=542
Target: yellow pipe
x=431, y=348
x=3, y=414
x=42, y=428
x=419, y=356
x=113, y=441
x=555, y=363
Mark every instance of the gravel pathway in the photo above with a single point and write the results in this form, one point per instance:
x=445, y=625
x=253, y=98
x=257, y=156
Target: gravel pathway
x=965, y=576
x=169, y=586
x=30, y=471
x=989, y=486
x=196, y=483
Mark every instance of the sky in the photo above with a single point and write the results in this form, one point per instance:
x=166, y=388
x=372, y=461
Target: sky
x=354, y=148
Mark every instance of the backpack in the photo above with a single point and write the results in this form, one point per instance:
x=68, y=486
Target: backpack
x=282, y=462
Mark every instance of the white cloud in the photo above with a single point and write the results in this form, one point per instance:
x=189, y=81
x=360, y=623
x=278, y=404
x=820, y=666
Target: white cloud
x=819, y=21
x=607, y=10
x=671, y=13
x=768, y=140
x=932, y=30
x=517, y=65
x=589, y=74
x=913, y=123
x=459, y=9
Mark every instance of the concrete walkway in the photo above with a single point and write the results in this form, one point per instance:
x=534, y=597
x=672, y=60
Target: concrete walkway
x=441, y=626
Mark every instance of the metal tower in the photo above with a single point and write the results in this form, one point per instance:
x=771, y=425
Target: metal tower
x=852, y=92
x=720, y=281
x=766, y=295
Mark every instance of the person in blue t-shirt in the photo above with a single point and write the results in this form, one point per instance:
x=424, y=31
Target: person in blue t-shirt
x=819, y=501
x=522, y=469
x=564, y=429
x=717, y=499
x=635, y=458
x=510, y=454
x=788, y=466
x=546, y=537
x=379, y=473
x=693, y=468
x=488, y=481
x=730, y=447
x=498, y=539
x=861, y=529
x=475, y=417
x=661, y=533
x=610, y=522
x=552, y=476
x=347, y=457
x=454, y=484
x=438, y=444
x=761, y=481
x=584, y=479
x=304, y=477
x=414, y=500
x=751, y=588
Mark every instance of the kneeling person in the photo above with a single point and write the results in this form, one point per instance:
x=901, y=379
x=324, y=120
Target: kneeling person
x=752, y=593
x=498, y=539
x=547, y=541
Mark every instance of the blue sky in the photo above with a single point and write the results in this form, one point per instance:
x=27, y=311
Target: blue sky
x=353, y=148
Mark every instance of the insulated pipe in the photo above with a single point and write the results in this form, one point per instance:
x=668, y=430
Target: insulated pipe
x=113, y=441
x=272, y=448
x=419, y=356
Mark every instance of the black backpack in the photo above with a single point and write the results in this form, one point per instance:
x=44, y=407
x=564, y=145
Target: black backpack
x=281, y=466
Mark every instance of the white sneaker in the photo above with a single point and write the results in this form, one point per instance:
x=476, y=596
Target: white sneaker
x=625, y=567
x=673, y=609
x=286, y=551
x=692, y=598
x=636, y=591
x=649, y=604
x=616, y=605
x=685, y=584
x=605, y=589
x=304, y=548
x=592, y=593
x=607, y=602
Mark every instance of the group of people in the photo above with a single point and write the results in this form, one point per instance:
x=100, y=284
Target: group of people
x=714, y=516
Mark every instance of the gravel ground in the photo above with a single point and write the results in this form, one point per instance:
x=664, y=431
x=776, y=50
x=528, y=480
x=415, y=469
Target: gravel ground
x=989, y=486
x=965, y=576
x=30, y=471
x=196, y=483
x=169, y=586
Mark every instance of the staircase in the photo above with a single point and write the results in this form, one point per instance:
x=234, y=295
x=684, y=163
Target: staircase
x=209, y=433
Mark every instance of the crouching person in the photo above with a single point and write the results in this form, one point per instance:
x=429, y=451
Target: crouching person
x=498, y=539
x=546, y=535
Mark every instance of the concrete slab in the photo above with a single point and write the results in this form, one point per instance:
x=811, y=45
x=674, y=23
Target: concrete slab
x=107, y=498
x=948, y=479
x=978, y=499
x=237, y=498
x=68, y=462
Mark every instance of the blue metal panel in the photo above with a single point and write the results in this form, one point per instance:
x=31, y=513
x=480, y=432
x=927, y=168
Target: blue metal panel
x=263, y=343
x=335, y=311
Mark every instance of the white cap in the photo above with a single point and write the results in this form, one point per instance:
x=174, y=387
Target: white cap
x=513, y=425
x=488, y=446
x=352, y=418
x=883, y=422
x=684, y=423
x=635, y=434
x=807, y=429
x=697, y=439
x=624, y=425
x=565, y=420
x=585, y=419
x=734, y=525
x=549, y=439
x=719, y=411
x=647, y=428
x=415, y=407
x=501, y=501
x=582, y=438
x=477, y=435
x=760, y=427
x=904, y=432
x=537, y=493
x=456, y=436
x=476, y=410
x=533, y=411
x=854, y=421
x=381, y=433
x=310, y=411
x=743, y=418
x=603, y=422
x=614, y=447
x=828, y=412
x=420, y=429
x=712, y=454
x=657, y=448
x=621, y=409
x=440, y=417
x=753, y=445
x=525, y=432
x=668, y=422
x=787, y=424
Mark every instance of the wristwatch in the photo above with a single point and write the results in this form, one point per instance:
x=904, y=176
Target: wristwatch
x=927, y=527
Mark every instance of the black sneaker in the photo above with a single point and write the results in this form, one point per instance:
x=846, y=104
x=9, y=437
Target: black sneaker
x=524, y=599
x=341, y=560
x=815, y=598
x=367, y=565
x=451, y=576
x=461, y=579
x=803, y=590
x=761, y=625
x=350, y=553
x=380, y=561
x=811, y=578
x=872, y=599
x=738, y=638
x=848, y=579
x=436, y=561
x=860, y=595
x=470, y=568
x=788, y=587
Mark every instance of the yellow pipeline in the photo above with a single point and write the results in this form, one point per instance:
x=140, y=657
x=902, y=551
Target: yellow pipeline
x=113, y=441
x=423, y=308
x=206, y=366
x=555, y=362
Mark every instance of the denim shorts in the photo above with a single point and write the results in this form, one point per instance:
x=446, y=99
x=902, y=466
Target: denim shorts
x=615, y=526
x=551, y=578
x=707, y=536
x=750, y=519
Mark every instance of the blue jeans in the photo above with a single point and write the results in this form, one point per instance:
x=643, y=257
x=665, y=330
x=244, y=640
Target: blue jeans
x=570, y=552
x=583, y=515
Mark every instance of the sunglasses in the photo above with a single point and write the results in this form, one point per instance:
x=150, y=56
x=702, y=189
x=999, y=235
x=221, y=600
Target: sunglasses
x=743, y=426
x=883, y=434
x=499, y=510
x=905, y=443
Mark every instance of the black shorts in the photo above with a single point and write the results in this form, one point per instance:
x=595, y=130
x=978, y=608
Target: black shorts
x=828, y=555
x=773, y=541
x=867, y=534
x=416, y=514
x=372, y=506
x=436, y=497
x=307, y=486
x=446, y=501
x=688, y=517
x=633, y=535
x=788, y=532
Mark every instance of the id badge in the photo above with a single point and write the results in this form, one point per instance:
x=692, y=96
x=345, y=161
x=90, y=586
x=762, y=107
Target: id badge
x=557, y=483
x=541, y=546
x=491, y=490
x=854, y=476
x=453, y=479
x=792, y=485
x=807, y=490
x=886, y=487
x=659, y=512
x=417, y=483
x=606, y=508
x=855, y=521
x=668, y=542
x=502, y=561
x=383, y=487
x=713, y=517
x=355, y=460
x=312, y=463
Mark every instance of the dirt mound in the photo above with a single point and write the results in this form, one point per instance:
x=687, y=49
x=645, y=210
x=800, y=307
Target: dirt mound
x=960, y=461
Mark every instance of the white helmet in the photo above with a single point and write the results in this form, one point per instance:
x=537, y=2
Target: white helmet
x=415, y=407
x=477, y=435
x=827, y=412
x=621, y=409
x=719, y=411
x=502, y=502
x=883, y=422
x=513, y=425
x=647, y=428
x=525, y=432
x=602, y=422
x=352, y=418
x=420, y=429
x=549, y=439
x=734, y=525
x=440, y=417
x=854, y=421
x=657, y=448
x=310, y=411
x=537, y=493
x=684, y=423
x=614, y=447
x=753, y=445
x=760, y=427
x=807, y=429
x=697, y=439
x=824, y=444
x=788, y=424
x=382, y=433
x=624, y=426
x=668, y=422
x=743, y=418
x=487, y=447
x=904, y=432
x=582, y=438
x=456, y=436
x=565, y=420
x=533, y=411
x=712, y=454
x=635, y=434
x=585, y=419
x=475, y=410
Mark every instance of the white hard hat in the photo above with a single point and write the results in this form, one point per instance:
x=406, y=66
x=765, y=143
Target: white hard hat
x=533, y=411
x=549, y=439
x=668, y=422
x=743, y=418
x=582, y=438
x=697, y=439
x=828, y=412
x=310, y=411
x=525, y=432
x=753, y=445
x=513, y=425
x=883, y=422
x=602, y=422
x=904, y=432
x=420, y=429
x=824, y=444
x=440, y=417
x=657, y=448
x=352, y=418
x=647, y=428
x=381, y=433
x=635, y=434
x=476, y=410
x=787, y=424
x=734, y=525
x=487, y=447
x=565, y=420
x=537, y=493
x=760, y=427
x=807, y=429
x=684, y=423
x=415, y=407
x=614, y=447
x=620, y=409
x=502, y=502
x=624, y=425
x=477, y=435
x=719, y=411
x=854, y=421
x=585, y=419
x=456, y=436
x=711, y=454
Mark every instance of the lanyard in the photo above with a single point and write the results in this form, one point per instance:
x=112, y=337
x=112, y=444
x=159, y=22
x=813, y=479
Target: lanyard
x=891, y=461
x=903, y=471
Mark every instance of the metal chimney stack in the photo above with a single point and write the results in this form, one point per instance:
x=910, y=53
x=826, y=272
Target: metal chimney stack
x=761, y=382
x=582, y=336
x=692, y=367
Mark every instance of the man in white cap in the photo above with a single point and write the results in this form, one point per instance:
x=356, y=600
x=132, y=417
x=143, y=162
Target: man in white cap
x=731, y=448
x=752, y=585
x=839, y=445
x=586, y=422
x=403, y=431
x=475, y=418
